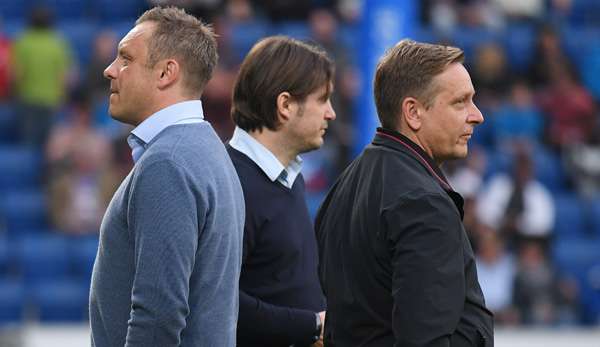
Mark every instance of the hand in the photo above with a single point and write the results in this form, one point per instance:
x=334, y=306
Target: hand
x=318, y=343
x=322, y=316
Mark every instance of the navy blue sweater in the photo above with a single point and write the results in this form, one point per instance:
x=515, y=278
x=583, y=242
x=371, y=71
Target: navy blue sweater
x=279, y=286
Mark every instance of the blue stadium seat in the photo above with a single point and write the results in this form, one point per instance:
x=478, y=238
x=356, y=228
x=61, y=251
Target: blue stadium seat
x=81, y=35
x=8, y=263
x=245, y=35
x=498, y=162
x=83, y=255
x=570, y=217
x=469, y=40
x=549, y=170
x=580, y=260
x=313, y=201
x=12, y=28
x=67, y=9
x=575, y=256
x=60, y=300
x=110, y=11
x=11, y=10
x=594, y=209
x=44, y=257
x=297, y=30
x=519, y=43
x=349, y=36
x=23, y=210
x=12, y=301
x=19, y=167
x=8, y=124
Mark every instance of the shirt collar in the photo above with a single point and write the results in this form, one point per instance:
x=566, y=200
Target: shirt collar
x=265, y=159
x=176, y=113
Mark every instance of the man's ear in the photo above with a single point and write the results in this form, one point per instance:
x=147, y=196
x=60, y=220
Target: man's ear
x=412, y=111
x=285, y=106
x=167, y=73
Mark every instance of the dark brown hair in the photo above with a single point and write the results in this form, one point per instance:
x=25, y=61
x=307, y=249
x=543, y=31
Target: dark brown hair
x=408, y=69
x=185, y=38
x=275, y=65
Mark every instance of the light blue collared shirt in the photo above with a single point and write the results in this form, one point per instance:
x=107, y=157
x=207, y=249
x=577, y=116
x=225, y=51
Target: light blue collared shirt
x=185, y=112
x=265, y=159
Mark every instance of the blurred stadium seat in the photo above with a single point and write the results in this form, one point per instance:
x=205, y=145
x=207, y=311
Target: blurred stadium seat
x=297, y=30
x=549, y=170
x=19, y=168
x=570, y=222
x=83, y=254
x=14, y=9
x=67, y=9
x=580, y=258
x=44, y=257
x=519, y=43
x=59, y=300
x=23, y=210
x=245, y=35
x=8, y=124
x=80, y=34
x=110, y=11
x=12, y=301
x=595, y=218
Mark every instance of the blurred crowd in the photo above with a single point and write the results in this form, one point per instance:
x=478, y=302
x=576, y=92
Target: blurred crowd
x=540, y=141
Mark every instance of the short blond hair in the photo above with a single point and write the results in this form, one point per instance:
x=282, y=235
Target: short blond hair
x=408, y=69
x=185, y=38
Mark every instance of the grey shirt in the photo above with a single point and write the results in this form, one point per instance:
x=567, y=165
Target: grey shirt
x=169, y=259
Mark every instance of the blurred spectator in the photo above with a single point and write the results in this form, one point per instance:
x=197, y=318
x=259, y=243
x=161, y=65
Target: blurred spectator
x=549, y=58
x=282, y=10
x=570, y=109
x=521, y=10
x=466, y=177
x=324, y=30
x=518, y=118
x=583, y=162
x=82, y=177
x=41, y=60
x=540, y=297
x=496, y=270
x=5, y=66
x=442, y=15
x=216, y=102
x=491, y=76
x=517, y=204
x=105, y=46
x=480, y=14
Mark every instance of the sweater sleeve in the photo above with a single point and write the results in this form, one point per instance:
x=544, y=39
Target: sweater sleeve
x=261, y=323
x=163, y=218
x=266, y=324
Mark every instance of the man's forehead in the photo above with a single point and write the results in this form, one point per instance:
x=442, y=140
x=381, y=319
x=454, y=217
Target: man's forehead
x=454, y=80
x=139, y=31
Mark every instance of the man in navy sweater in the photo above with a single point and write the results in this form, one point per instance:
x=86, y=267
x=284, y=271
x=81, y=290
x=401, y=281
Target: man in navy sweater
x=281, y=106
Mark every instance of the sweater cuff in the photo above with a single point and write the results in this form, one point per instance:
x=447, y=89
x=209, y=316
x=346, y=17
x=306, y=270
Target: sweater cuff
x=307, y=326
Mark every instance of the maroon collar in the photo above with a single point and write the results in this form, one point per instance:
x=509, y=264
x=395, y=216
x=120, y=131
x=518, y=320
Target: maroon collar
x=419, y=154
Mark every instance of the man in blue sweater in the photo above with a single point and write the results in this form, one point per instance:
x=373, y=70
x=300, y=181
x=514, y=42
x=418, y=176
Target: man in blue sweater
x=281, y=106
x=169, y=259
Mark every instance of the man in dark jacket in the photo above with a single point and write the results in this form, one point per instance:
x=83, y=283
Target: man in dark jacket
x=396, y=265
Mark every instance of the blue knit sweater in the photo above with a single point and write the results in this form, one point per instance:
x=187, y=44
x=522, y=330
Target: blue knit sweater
x=279, y=288
x=169, y=259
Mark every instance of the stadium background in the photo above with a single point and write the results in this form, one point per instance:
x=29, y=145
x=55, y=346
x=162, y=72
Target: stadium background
x=532, y=180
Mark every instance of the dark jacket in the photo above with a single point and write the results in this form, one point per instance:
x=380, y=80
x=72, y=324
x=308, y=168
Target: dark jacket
x=396, y=265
